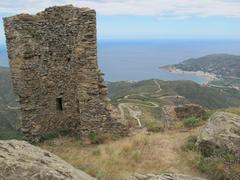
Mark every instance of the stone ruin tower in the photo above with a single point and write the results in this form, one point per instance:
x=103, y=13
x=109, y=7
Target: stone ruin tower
x=53, y=61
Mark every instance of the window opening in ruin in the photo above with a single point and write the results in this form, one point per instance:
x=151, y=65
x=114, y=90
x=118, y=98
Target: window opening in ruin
x=59, y=104
x=78, y=108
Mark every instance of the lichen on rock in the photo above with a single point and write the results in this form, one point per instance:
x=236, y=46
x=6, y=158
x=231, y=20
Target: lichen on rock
x=221, y=132
x=23, y=161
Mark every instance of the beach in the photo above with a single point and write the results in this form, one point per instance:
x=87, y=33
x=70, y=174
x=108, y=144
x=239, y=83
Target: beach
x=209, y=76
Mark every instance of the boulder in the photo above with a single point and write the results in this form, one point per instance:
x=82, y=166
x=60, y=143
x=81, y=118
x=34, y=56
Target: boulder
x=222, y=131
x=23, y=161
x=165, y=176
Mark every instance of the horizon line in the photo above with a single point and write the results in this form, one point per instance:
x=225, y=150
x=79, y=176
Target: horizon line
x=3, y=42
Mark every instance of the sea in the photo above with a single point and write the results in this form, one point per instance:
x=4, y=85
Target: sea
x=135, y=60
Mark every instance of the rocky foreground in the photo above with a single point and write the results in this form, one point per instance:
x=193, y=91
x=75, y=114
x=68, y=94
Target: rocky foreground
x=22, y=161
x=166, y=176
x=222, y=131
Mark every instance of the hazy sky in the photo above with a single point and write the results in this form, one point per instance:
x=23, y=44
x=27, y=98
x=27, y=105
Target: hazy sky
x=134, y=19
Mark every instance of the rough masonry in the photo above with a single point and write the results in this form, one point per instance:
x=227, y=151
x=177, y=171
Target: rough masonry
x=53, y=61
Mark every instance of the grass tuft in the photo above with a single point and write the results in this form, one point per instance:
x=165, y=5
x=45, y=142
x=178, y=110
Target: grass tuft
x=154, y=126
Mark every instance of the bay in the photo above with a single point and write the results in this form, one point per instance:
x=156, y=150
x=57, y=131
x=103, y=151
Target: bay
x=140, y=59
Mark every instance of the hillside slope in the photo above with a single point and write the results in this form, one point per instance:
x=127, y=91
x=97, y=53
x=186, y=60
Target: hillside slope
x=8, y=113
x=210, y=97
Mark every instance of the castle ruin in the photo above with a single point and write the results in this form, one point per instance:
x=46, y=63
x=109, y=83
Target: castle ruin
x=53, y=61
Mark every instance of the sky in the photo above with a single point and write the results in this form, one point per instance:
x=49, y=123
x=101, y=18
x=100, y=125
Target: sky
x=147, y=19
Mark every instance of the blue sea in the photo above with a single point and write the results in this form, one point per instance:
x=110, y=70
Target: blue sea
x=141, y=59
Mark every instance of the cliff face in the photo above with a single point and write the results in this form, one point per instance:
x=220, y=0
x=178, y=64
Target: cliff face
x=53, y=60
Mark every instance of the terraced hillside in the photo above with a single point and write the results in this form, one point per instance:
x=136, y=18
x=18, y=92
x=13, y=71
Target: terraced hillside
x=146, y=103
x=171, y=92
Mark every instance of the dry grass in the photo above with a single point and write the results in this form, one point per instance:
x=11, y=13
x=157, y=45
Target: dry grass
x=142, y=153
x=233, y=110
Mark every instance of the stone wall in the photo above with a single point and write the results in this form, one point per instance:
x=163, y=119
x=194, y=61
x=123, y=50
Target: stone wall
x=53, y=60
x=189, y=110
x=175, y=113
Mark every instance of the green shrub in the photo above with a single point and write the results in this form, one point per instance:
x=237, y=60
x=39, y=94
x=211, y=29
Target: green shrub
x=207, y=149
x=190, y=144
x=219, y=168
x=191, y=122
x=95, y=138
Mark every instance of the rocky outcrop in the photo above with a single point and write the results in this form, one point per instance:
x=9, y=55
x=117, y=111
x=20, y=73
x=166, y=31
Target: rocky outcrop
x=222, y=131
x=165, y=176
x=22, y=161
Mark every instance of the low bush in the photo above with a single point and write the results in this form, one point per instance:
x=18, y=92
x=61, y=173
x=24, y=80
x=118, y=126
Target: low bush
x=190, y=144
x=220, y=167
x=191, y=122
x=95, y=138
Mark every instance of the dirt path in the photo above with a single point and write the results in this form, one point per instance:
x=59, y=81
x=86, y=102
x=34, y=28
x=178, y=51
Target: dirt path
x=164, y=97
x=137, y=113
x=134, y=113
x=160, y=89
x=121, y=107
x=158, y=85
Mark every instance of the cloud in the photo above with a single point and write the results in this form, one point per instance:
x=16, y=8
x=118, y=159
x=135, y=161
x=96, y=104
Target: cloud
x=159, y=8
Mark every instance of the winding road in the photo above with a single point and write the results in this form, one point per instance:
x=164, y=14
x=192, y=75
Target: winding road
x=137, y=113
x=164, y=97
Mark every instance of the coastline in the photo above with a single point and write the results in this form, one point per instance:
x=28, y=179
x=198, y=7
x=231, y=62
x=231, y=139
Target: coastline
x=209, y=76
